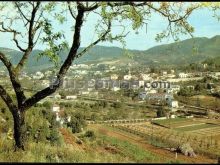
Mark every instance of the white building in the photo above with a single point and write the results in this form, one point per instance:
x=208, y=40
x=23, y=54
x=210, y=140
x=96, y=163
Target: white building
x=217, y=74
x=141, y=83
x=45, y=83
x=98, y=73
x=116, y=89
x=164, y=73
x=174, y=89
x=48, y=73
x=173, y=103
x=71, y=97
x=172, y=71
x=112, y=68
x=127, y=77
x=146, y=77
x=69, y=118
x=38, y=75
x=114, y=77
x=152, y=91
x=183, y=75
x=56, y=108
x=84, y=92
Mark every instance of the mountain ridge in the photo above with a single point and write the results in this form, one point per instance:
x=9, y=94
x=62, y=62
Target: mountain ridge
x=186, y=51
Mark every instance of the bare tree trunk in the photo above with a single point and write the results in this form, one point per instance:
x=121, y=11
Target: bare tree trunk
x=19, y=129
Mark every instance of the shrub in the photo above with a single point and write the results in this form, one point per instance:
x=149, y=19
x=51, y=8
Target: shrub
x=77, y=122
x=90, y=134
x=161, y=113
x=47, y=105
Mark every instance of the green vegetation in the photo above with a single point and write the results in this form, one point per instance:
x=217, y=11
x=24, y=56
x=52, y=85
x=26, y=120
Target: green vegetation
x=161, y=112
x=174, y=120
x=196, y=127
x=77, y=122
x=183, y=51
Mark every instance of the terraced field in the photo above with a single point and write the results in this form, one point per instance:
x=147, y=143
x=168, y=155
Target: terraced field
x=197, y=128
x=177, y=122
x=193, y=131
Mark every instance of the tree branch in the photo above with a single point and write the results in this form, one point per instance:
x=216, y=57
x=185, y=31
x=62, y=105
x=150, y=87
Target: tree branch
x=64, y=68
x=20, y=11
x=6, y=62
x=70, y=10
x=9, y=30
x=7, y=99
x=14, y=79
x=31, y=34
x=96, y=42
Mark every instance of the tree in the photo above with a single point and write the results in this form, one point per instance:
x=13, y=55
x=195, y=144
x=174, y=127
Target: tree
x=77, y=122
x=161, y=112
x=34, y=18
x=198, y=87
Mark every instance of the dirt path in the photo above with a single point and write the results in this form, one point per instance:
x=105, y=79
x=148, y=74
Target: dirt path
x=71, y=139
x=143, y=144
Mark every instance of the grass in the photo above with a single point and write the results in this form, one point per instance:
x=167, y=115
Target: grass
x=134, y=152
x=95, y=152
x=196, y=127
x=172, y=122
x=41, y=152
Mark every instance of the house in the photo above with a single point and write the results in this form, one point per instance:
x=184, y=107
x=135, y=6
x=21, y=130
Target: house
x=164, y=73
x=159, y=96
x=38, y=75
x=112, y=68
x=127, y=77
x=71, y=97
x=152, y=91
x=174, y=89
x=60, y=116
x=68, y=118
x=142, y=95
x=114, y=77
x=170, y=75
x=56, y=108
x=183, y=75
x=48, y=73
x=146, y=77
x=173, y=103
x=115, y=88
x=190, y=87
x=98, y=73
x=84, y=92
x=173, y=116
x=45, y=83
x=141, y=83
x=217, y=74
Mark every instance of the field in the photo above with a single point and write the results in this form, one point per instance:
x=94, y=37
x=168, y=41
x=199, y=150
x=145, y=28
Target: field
x=144, y=143
x=201, y=134
x=197, y=127
x=188, y=124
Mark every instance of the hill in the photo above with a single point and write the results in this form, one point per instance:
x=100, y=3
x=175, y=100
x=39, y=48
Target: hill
x=182, y=52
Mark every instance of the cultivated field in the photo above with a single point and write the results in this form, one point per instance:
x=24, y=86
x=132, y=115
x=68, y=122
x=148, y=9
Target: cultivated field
x=202, y=134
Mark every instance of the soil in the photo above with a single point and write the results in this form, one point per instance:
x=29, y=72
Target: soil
x=143, y=144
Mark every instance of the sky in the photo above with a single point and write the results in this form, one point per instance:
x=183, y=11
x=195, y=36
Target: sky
x=205, y=26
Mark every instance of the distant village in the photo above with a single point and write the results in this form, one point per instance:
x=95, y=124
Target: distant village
x=151, y=86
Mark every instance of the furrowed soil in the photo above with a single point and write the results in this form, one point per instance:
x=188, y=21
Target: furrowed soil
x=141, y=142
